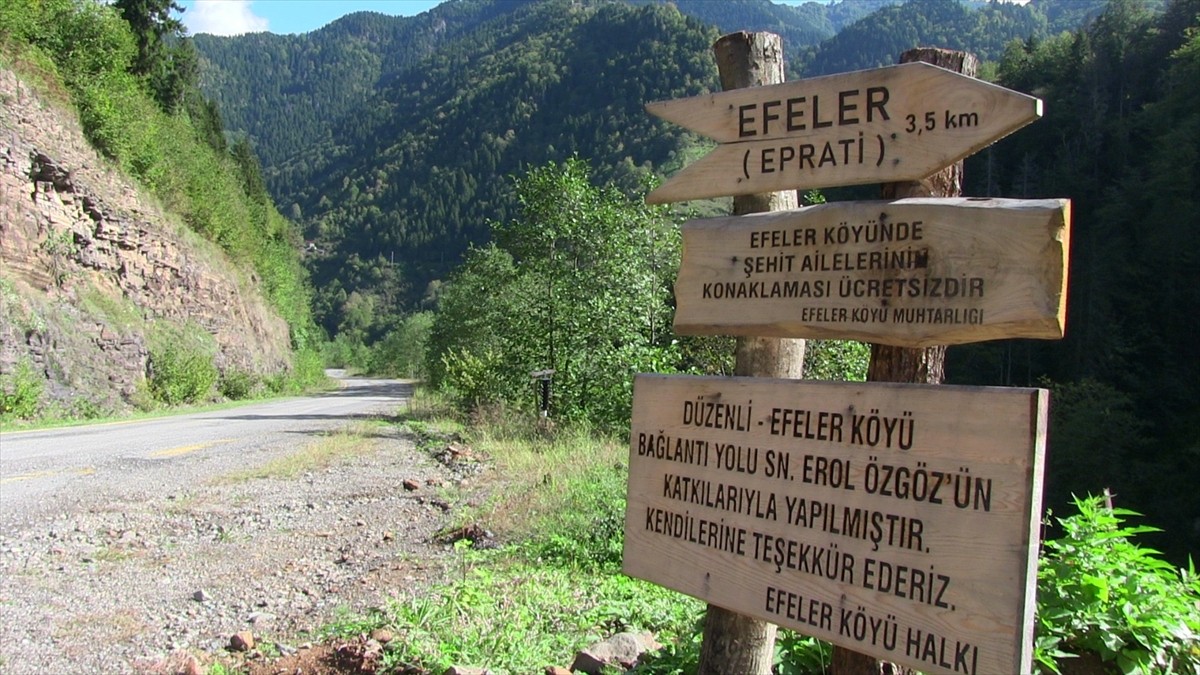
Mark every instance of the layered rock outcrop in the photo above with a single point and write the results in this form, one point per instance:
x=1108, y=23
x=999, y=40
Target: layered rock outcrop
x=89, y=264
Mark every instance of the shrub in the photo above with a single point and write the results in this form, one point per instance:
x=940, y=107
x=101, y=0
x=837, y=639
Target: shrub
x=87, y=409
x=401, y=353
x=20, y=393
x=181, y=366
x=476, y=380
x=236, y=385
x=308, y=370
x=345, y=352
x=1099, y=592
x=836, y=360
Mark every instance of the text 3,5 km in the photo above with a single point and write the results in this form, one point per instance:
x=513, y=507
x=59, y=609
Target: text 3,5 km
x=949, y=120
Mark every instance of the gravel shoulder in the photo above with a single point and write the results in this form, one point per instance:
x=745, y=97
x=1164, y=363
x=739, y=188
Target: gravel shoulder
x=127, y=576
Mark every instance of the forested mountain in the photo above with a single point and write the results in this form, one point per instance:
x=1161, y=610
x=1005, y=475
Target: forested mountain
x=879, y=38
x=302, y=84
x=397, y=190
x=284, y=91
x=798, y=25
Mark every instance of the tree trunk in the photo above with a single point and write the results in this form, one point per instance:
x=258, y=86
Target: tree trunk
x=735, y=643
x=902, y=364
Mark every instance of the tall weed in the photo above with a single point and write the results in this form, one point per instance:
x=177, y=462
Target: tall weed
x=1099, y=592
x=21, y=393
x=181, y=365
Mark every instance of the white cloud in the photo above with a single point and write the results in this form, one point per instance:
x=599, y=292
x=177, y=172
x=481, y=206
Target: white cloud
x=223, y=17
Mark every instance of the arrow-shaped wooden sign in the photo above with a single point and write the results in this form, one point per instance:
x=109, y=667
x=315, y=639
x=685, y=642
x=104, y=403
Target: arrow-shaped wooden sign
x=872, y=126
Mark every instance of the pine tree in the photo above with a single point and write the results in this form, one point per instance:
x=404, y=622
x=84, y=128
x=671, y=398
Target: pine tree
x=165, y=56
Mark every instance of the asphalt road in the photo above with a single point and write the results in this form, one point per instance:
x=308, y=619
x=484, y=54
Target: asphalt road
x=48, y=470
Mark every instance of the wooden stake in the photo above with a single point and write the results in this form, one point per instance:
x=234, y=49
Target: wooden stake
x=901, y=364
x=735, y=643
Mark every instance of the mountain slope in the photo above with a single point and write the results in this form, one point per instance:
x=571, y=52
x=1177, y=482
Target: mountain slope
x=284, y=91
x=402, y=188
x=798, y=25
x=878, y=39
x=288, y=92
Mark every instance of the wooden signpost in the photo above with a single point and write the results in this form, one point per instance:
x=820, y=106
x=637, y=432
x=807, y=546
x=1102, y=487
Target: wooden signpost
x=888, y=124
x=911, y=272
x=896, y=520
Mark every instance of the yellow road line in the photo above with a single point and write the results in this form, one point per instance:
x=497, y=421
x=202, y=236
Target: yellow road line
x=185, y=449
x=84, y=471
x=27, y=476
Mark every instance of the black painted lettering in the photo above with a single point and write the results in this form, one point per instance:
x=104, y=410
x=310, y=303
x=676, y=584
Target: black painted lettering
x=746, y=122
x=845, y=107
x=877, y=98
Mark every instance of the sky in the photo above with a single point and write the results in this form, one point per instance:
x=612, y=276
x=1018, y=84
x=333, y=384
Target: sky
x=234, y=17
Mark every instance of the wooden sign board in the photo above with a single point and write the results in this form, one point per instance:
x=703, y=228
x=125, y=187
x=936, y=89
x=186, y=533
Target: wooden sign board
x=910, y=273
x=872, y=126
x=900, y=521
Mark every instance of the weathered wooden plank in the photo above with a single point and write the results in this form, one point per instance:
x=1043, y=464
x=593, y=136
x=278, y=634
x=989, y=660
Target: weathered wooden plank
x=910, y=272
x=900, y=521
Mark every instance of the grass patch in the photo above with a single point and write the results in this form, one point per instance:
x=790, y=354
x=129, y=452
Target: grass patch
x=117, y=311
x=549, y=613
x=110, y=554
x=555, y=587
x=335, y=446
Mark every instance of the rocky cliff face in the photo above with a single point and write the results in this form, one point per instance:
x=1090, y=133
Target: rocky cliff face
x=89, y=265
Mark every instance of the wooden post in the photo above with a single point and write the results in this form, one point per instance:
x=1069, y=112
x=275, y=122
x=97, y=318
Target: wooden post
x=922, y=366
x=901, y=364
x=735, y=643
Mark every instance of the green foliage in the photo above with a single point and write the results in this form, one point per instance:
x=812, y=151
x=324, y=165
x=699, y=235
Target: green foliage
x=879, y=38
x=117, y=311
x=584, y=527
x=308, y=371
x=86, y=409
x=401, y=353
x=345, y=352
x=60, y=246
x=836, y=360
x=181, y=365
x=579, y=285
x=548, y=612
x=797, y=654
x=476, y=380
x=236, y=385
x=1093, y=428
x=21, y=393
x=1100, y=592
x=164, y=58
